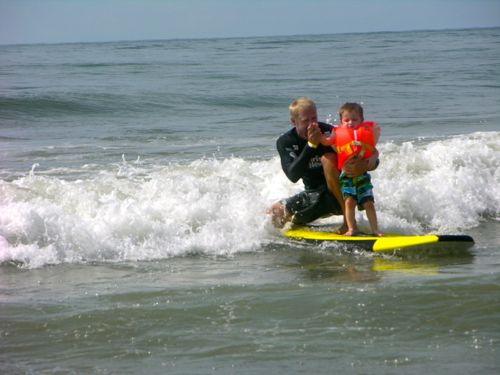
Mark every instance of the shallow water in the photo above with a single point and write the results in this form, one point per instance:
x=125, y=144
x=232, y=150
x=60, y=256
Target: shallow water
x=286, y=309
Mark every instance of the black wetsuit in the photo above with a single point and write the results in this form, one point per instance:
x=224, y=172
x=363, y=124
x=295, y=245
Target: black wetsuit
x=298, y=160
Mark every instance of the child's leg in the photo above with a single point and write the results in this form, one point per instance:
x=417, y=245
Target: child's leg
x=371, y=214
x=350, y=216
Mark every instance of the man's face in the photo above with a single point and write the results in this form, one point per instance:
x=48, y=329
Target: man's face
x=305, y=118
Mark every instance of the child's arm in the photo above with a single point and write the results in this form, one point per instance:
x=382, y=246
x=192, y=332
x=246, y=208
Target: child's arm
x=328, y=140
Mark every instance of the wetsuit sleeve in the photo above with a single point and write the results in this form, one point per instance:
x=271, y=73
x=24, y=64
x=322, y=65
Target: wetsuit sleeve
x=294, y=164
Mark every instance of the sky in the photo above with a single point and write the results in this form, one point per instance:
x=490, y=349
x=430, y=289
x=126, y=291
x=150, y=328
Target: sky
x=62, y=21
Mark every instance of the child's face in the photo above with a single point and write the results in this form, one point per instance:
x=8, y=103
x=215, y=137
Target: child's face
x=350, y=120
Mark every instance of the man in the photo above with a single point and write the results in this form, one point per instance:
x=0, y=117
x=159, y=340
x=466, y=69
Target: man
x=303, y=157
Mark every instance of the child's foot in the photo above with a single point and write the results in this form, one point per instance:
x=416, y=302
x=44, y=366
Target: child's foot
x=351, y=232
x=378, y=234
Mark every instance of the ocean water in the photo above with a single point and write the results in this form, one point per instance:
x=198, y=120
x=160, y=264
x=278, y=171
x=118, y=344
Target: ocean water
x=134, y=180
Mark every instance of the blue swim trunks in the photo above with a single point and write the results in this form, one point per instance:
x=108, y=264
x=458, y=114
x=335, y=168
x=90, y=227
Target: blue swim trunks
x=360, y=188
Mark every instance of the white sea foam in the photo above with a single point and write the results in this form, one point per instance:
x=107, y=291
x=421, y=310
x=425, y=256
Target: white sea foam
x=208, y=206
x=444, y=185
x=217, y=207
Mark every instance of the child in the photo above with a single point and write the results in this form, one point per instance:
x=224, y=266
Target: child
x=355, y=137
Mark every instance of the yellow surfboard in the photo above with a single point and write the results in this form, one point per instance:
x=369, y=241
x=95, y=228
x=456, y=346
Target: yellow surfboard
x=389, y=242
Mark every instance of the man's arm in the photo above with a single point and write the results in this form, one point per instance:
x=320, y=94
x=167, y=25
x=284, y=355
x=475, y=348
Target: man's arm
x=294, y=165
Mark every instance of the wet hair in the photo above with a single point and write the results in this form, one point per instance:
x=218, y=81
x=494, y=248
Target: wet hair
x=300, y=104
x=350, y=108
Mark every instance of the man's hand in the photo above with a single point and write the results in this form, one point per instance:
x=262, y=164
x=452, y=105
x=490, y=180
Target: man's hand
x=314, y=133
x=356, y=166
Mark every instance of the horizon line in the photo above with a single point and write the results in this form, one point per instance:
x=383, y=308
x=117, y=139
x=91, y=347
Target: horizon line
x=246, y=37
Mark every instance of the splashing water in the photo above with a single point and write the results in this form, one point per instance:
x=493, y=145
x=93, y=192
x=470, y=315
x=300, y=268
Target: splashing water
x=217, y=207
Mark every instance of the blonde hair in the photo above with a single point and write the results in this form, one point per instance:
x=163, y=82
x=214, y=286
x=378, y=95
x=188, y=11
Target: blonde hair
x=351, y=108
x=299, y=105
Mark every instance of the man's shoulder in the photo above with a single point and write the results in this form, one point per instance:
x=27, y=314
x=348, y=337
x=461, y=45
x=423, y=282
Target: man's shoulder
x=325, y=127
x=288, y=136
